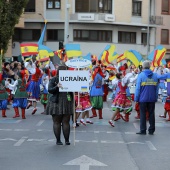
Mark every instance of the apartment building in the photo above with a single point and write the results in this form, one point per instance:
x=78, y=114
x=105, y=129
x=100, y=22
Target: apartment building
x=163, y=31
x=93, y=24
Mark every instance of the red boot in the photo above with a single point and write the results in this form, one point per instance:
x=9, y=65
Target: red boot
x=34, y=110
x=147, y=115
x=127, y=117
x=23, y=114
x=118, y=116
x=169, y=116
x=3, y=113
x=138, y=115
x=94, y=113
x=29, y=105
x=16, y=112
x=100, y=114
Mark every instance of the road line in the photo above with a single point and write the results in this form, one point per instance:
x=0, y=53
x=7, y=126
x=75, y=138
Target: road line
x=18, y=121
x=8, y=139
x=40, y=123
x=150, y=145
x=21, y=130
x=20, y=141
x=130, y=133
x=6, y=129
x=136, y=125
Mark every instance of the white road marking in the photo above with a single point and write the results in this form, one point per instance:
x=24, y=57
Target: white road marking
x=36, y=140
x=93, y=141
x=21, y=130
x=84, y=162
x=8, y=139
x=130, y=133
x=150, y=145
x=43, y=130
x=6, y=129
x=20, y=141
x=18, y=121
x=96, y=132
x=40, y=123
x=136, y=125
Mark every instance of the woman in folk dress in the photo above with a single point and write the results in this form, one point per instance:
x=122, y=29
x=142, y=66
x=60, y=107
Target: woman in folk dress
x=121, y=100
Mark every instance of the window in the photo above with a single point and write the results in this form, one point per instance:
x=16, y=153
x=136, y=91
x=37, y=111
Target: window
x=30, y=6
x=93, y=35
x=165, y=6
x=136, y=8
x=127, y=37
x=164, y=36
x=26, y=34
x=55, y=35
x=144, y=38
x=53, y=4
x=96, y=6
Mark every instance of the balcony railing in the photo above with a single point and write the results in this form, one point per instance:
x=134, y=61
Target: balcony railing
x=156, y=20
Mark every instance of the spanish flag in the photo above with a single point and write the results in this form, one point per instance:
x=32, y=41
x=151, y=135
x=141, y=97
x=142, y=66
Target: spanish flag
x=28, y=49
x=121, y=58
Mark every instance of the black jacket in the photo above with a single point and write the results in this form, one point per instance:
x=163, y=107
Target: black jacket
x=53, y=89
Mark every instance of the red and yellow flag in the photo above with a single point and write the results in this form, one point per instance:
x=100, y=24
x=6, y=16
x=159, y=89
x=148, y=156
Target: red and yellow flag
x=28, y=49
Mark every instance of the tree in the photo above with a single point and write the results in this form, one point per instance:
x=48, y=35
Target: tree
x=10, y=12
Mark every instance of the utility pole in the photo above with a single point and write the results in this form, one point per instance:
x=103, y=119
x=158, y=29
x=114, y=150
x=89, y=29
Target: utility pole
x=148, y=32
x=66, y=26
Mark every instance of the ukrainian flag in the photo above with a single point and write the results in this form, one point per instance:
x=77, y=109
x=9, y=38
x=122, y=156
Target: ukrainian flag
x=28, y=49
x=45, y=51
x=84, y=89
x=73, y=50
x=134, y=57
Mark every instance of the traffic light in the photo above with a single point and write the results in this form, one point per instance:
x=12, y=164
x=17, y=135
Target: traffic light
x=61, y=46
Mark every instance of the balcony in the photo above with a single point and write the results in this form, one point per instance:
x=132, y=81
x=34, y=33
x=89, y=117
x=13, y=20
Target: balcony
x=156, y=20
x=86, y=17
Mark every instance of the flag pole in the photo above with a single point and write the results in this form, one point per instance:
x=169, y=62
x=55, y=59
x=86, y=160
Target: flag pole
x=1, y=61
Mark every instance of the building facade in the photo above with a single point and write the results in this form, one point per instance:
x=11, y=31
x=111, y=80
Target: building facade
x=93, y=24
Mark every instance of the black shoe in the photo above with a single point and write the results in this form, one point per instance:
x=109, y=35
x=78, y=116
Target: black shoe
x=141, y=133
x=151, y=133
x=59, y=143
x=67, y=143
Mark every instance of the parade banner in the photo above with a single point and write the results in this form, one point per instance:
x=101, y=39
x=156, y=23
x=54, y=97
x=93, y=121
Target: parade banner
x=74, y=81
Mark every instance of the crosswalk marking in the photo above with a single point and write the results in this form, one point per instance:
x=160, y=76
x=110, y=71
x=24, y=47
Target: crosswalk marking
x=20, y=141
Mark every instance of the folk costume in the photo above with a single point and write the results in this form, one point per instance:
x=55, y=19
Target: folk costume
x=20, y=96
x=33, y=88
x=44, y=84
x=3, y=96
x=96, y=92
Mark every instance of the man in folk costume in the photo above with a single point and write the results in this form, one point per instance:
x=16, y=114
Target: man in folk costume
x=3, y=96
x=96, y=92
x=20, y=95
x=33, y=88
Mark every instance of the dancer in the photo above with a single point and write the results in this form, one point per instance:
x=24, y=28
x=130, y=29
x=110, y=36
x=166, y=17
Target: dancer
x=20, y=95
x=3, y=96
x=121, y=100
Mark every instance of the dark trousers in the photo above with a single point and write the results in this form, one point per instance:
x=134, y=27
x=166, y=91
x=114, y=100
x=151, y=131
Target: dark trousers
x=150, y=107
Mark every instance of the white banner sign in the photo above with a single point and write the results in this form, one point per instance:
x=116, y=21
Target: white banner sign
x=86, y=17
x=74, y=81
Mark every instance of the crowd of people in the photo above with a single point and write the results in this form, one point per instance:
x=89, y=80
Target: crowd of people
x=23, y=84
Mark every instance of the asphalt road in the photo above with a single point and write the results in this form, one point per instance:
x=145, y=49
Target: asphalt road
x=30, y=144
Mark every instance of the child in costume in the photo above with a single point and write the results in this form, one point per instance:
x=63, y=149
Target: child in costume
x=3, y=96
x=121, y=101
x=20, y=95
